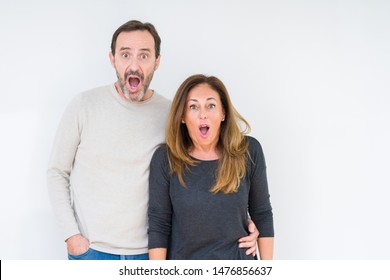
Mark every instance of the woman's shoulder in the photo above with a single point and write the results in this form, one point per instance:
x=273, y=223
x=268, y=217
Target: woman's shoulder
x=253, y=142
x=161, y=151
x=159, y=159
x=254, y=148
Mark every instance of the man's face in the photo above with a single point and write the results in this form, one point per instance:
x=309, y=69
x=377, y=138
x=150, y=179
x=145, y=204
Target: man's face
x=134, y=62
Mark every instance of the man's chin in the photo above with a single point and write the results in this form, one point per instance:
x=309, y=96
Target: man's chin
x=135, y=97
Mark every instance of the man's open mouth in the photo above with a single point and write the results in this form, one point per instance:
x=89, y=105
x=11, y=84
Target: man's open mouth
x=133, y=82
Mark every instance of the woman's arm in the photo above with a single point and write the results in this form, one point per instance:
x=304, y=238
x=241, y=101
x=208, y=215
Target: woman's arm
x=158, y=254
x=260, y=208
x=160, y=207
x=266, y=248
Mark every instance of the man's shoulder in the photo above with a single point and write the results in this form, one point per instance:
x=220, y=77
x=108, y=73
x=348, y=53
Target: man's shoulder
x=161, y=104
x=96, y=91
x=92, y=95
x=162, y=99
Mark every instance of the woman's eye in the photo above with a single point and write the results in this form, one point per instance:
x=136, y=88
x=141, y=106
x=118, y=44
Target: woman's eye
x=211, y=106
x=193, y=107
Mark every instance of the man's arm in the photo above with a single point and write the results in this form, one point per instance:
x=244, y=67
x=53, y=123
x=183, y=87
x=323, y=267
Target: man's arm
x=60, y=166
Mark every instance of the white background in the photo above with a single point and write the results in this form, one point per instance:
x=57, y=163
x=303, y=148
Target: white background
x=312, y=78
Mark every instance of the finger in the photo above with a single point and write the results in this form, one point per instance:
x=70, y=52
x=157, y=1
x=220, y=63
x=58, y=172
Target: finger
x=254, y=235
x=250, y=238
x=245, y=239
x=255, y=230
x=251, y=226
x=248, y=244
x=251, y=251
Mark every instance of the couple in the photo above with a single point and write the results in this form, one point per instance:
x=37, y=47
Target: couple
x=98, y=173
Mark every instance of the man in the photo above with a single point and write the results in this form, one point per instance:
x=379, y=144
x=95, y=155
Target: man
x=99, y=166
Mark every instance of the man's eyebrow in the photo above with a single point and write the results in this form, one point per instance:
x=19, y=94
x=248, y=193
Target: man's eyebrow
x=128, y=48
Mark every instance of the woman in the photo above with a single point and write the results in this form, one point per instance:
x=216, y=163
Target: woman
x=206, y=179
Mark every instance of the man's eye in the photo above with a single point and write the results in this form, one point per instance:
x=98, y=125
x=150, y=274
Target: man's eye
x=125, y=55
x=144, y=56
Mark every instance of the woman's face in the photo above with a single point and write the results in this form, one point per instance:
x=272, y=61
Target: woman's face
x=203, y=115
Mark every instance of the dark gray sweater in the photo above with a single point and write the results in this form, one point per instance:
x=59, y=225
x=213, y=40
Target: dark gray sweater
x=192, y=222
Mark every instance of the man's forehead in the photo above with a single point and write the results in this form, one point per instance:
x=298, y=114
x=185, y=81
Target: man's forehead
x=133, y=39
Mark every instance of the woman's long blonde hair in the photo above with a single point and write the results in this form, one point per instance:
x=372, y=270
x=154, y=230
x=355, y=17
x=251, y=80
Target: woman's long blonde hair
x=232, y=144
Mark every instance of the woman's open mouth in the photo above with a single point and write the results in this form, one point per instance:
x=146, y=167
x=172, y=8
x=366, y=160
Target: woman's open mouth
x=204, y=129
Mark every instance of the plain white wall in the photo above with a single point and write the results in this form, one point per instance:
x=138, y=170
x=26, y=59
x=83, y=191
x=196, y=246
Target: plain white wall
x=312, y=78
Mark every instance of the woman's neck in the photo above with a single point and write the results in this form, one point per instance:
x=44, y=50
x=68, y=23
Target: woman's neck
x=205, y=153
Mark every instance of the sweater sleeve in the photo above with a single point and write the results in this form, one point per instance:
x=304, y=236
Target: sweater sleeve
x=60, y=165
x=160, y=207
x=260, y=208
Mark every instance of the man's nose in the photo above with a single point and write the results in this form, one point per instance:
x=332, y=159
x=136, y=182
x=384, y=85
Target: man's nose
x=134, y=65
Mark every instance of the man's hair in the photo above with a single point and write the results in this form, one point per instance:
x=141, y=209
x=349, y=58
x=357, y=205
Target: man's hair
x=134, y=25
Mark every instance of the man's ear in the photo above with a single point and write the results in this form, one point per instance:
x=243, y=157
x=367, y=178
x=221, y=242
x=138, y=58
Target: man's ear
x=157, y=62
x=112, y=59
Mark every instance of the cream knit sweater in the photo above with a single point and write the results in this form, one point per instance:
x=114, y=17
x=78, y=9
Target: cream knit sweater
x=99, y=167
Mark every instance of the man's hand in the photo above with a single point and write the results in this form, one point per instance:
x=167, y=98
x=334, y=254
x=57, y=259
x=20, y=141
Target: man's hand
x=250, y=240
x=77, y=244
